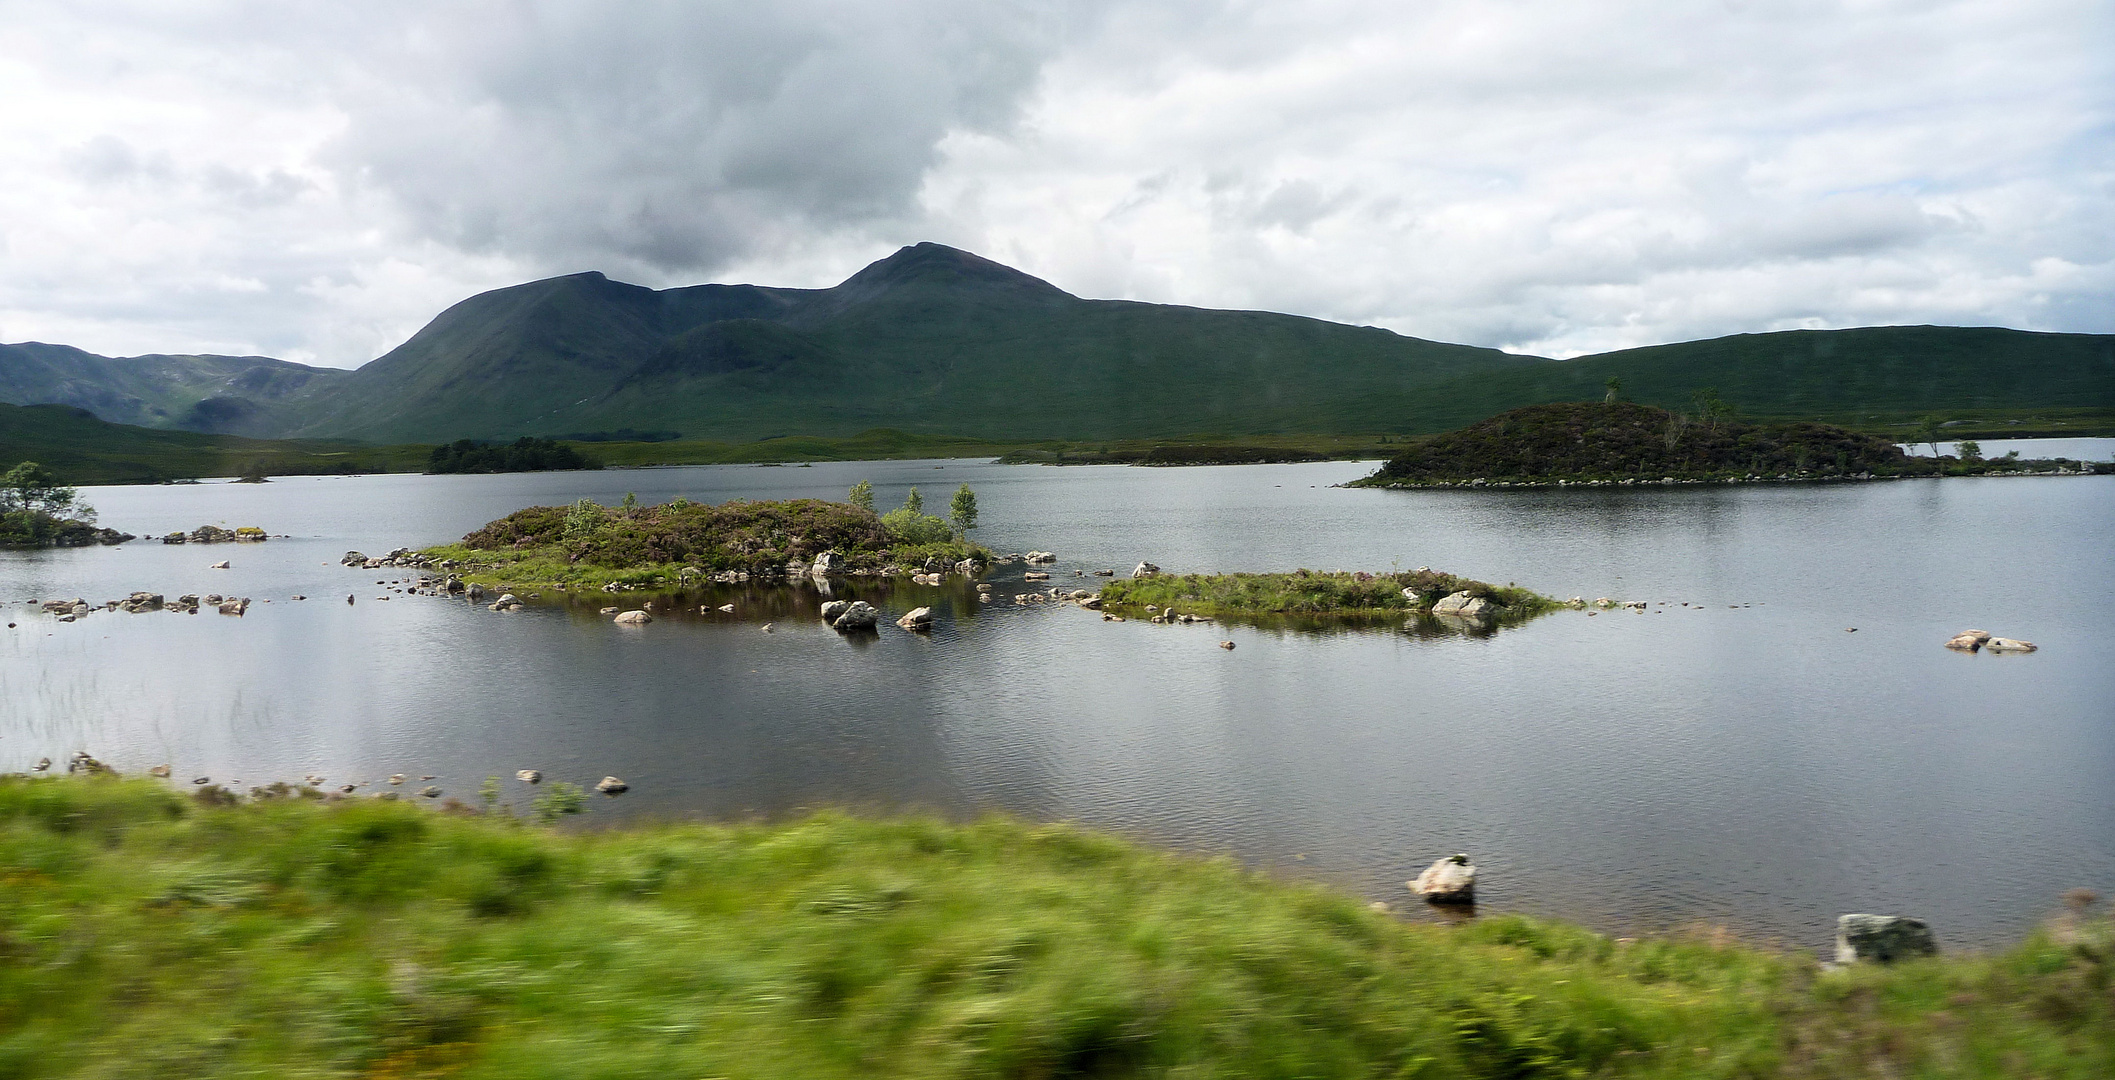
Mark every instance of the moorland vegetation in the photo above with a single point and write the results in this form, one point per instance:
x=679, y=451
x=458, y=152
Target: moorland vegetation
x=586, y=544
x=150, y=933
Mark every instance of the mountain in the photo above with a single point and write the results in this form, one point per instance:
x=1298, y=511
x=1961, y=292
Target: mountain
x=935, y=340
x=929, y=340
x=197, y=393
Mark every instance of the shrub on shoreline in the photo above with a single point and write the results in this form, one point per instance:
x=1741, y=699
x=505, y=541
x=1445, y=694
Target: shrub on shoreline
x=526, y=454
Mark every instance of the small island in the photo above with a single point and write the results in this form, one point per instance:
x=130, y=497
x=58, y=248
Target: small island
x=682, y=542
x=1621, y=442
x=1337, y=594
x=38, y=511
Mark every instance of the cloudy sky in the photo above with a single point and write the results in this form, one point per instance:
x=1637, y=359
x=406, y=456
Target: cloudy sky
x=316, y=181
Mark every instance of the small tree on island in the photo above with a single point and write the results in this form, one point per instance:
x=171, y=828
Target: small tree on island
x=962, y=510
x=32, y=488
x=862, y=496
x=1710, y=408
x=1968, y=450
x=1928, y=433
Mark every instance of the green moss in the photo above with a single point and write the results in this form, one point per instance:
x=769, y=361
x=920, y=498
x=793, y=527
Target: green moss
x=1305, y=592
x=147, y=935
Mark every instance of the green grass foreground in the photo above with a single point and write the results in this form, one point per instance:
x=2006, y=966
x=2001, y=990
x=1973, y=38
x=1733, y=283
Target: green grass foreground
x=1306, y=592
x=144, y=933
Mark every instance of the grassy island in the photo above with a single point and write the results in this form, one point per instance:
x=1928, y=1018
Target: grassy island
x=1305, y=592
x=149, y=933
x=589, y=545
x=1623, y=442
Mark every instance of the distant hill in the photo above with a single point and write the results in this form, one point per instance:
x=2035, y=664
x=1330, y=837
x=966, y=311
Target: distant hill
x=82, y=449
x=196, y=393
x=1844, y=375
x=936, y=341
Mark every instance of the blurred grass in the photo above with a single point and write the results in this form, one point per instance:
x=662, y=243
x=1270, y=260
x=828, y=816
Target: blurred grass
x=143, y=934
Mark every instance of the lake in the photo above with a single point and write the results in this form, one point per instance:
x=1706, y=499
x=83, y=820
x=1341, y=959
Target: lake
x=1735, y=757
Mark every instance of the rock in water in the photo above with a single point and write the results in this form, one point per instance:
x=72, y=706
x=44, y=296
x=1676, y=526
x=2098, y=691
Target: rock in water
x=529, y=776
x=833, y=609
x=1451, y=880
x=1883, y=938
x=859, y=616
x=632, y=618
x=1144, y=569
x=829, y=562
x=917, y=619
x=2006, y=644
x=610, y=785
x=1966, y=642
x=1464, y=605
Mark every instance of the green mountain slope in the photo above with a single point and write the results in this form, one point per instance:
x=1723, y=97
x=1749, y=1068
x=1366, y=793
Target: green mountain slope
x=82, y=449
x=1845, y=375
x=197, y=393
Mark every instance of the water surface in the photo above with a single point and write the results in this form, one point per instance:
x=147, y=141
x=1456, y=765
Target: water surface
x=1745, y=760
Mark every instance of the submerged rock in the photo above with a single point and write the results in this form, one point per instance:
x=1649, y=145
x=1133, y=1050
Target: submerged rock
x=1881, y=938
x=632, y=618
x=1451, y=880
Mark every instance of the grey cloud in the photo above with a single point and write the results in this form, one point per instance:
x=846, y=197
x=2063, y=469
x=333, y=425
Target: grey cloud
x=679, y=137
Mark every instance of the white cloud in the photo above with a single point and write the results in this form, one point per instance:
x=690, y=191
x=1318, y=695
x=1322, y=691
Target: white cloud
x=1546, y=176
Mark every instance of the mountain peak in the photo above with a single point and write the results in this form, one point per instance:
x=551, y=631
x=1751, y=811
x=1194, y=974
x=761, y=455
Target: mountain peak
x=938, y=263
